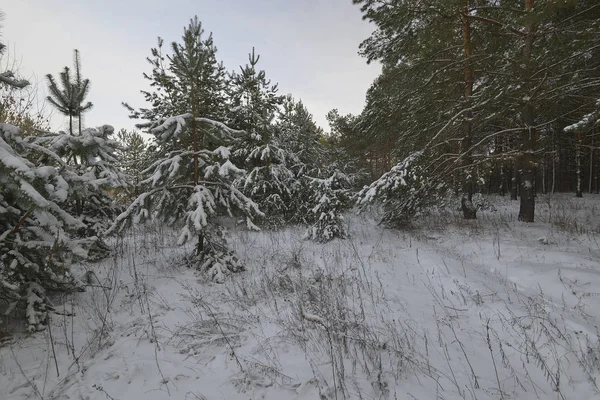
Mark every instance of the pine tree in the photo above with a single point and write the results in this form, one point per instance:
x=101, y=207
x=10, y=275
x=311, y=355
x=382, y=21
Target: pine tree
x=92, y=158
x=36, y=248
x=478, y=85
x=253, y=99
x=172, y=89
x=69, y=100
x=404, y=191
x=253, y=106
x=330, y=198
x=192, y=180
x=296, y=133
x=173, y=196
x=134, y=158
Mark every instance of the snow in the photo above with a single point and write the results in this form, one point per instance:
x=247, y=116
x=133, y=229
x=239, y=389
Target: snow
x=456, y=309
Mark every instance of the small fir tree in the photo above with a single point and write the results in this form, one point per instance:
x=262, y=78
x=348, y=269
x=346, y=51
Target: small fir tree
x=331, y=197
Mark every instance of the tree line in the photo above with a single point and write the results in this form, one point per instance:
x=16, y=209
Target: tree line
x=481, y=96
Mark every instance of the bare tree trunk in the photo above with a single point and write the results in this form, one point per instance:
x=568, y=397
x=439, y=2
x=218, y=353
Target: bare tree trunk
x=466, y=202
x=544, y=175
x=590, y=188
x=502, y=179
x=578, y=190
x=195, y=132
x=526, y=160
x=553, y=162
x=514, y=182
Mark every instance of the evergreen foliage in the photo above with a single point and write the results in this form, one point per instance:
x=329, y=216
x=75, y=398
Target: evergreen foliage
x=478, y=86
x=406, y=192
x=93, y=172
x=297, y=132
x=330, y=196
x=192, y=70
x=172, y=196
x=69, y=100
x=134, y=158
x=35, y=243
x=253, y=107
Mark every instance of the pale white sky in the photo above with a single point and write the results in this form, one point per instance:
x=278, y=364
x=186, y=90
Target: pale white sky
x=308, y=46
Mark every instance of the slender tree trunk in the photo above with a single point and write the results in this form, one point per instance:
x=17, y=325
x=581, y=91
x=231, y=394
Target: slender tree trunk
x=578, y=190
x=514, y=182
x=79, y=120
x=71, y=124
x=195, y=132
x=553, y=162
x=590, y=188
x=544, y=174
x=502, y=179
x=466, y=202
x=527, y=159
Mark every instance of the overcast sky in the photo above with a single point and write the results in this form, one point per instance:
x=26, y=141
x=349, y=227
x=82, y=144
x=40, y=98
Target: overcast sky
x=308, y=46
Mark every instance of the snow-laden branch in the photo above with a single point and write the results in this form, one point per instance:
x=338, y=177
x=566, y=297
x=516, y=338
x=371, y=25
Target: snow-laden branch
x=8, y=78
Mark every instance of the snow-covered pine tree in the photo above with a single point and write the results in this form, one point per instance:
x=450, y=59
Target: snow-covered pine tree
x=297, y=134
x=93, y=161
x=330, y=197
x=173, y=196
x=133, y=160
x=172, y=89
x=405, y=192
x=191, y=182
x=35, y=245
x=254, y=105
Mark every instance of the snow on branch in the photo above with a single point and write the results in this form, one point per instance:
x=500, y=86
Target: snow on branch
x=8, y=78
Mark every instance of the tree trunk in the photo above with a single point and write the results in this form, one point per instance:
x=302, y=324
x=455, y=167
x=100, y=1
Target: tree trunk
x=466, y=202
x=553, y=162
x=526, y=160
x=544, y=174
x=79, y=120
x=71, y=124
x=502, y=180
x=590, y=188
x=195, y=132
x=200, y=245
x=514, y=182
x=578, y=190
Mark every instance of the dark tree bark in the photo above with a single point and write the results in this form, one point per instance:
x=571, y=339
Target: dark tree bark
x=526, y=160
x=466, y=202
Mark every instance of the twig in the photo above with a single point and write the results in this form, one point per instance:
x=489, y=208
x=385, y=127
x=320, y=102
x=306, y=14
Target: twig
x=52, y=345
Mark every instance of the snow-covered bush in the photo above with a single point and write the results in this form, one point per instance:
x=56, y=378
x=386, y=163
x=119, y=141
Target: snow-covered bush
x=270, y=181
x=405, y=192
x=35, y=245
x=331, y=196
x=93, y=161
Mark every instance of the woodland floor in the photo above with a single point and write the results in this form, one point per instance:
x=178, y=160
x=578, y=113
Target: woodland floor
x=452, y=309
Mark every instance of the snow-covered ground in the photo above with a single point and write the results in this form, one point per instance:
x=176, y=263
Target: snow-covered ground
x=486, y=309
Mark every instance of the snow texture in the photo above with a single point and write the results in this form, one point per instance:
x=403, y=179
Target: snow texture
x=448, y=311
